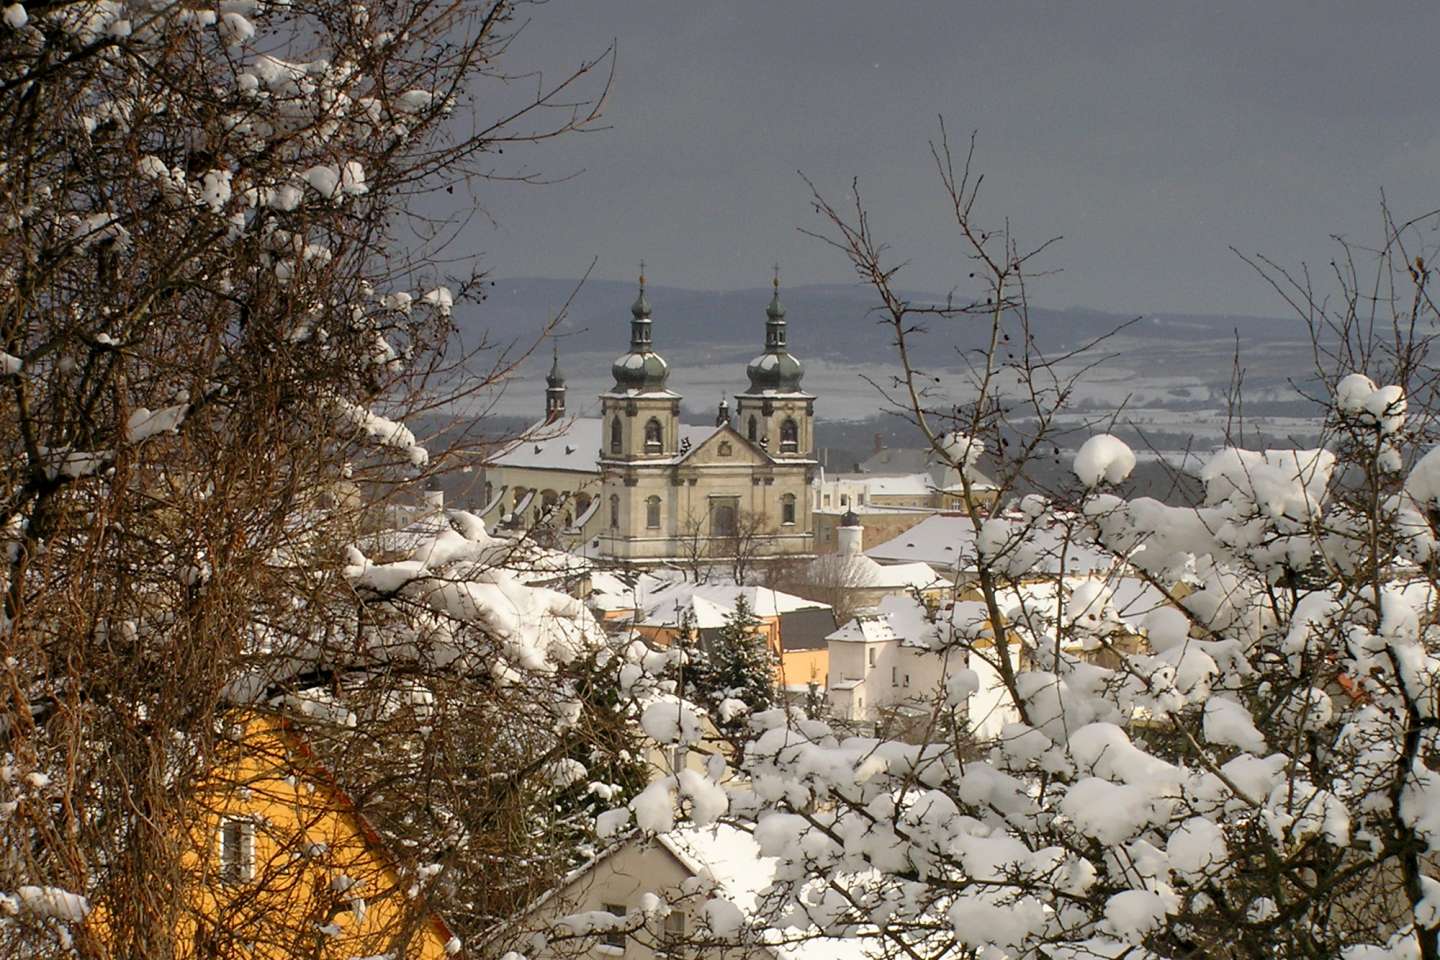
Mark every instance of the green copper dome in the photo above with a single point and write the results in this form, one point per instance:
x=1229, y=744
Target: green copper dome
x=776, y=370
x=642, y=370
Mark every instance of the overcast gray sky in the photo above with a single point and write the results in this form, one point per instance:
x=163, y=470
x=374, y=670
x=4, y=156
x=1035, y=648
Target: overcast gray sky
x=1152, y=136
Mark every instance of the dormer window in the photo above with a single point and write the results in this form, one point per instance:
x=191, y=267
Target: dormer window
x=789, y=436
x=615, y=437
x=653, y=442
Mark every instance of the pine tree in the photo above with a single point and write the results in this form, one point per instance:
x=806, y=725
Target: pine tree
x=737, y=664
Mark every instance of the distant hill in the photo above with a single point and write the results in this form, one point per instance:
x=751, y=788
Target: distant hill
x=833, y=321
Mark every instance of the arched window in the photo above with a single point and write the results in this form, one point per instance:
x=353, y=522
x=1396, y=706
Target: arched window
x=652, y=513
x=789, y=436
x=787, y=508
x=653, y=443
x=750, y=430
x=615, y=435
x=614, y=511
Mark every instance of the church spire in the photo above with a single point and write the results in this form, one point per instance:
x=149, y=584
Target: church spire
x=554, y=388
x=642, y=370
x=640, y=324
x=775, y=318
x=775, y=370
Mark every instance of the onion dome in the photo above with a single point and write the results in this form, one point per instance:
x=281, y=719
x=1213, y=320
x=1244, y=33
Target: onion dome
x=775, y=370
x=642, y=370
x=850, y=519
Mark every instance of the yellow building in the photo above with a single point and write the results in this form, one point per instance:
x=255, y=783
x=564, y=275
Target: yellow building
x=283, y=866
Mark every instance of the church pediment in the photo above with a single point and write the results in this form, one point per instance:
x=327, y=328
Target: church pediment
x=725, y=447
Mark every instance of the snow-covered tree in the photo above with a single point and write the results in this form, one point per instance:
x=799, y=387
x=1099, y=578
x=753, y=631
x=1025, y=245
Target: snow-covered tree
x=209, y=336
x=1258, y=777
x=733, y=670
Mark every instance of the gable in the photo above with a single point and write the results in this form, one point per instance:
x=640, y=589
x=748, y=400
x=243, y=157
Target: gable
x=312, y=860
x=725, y=447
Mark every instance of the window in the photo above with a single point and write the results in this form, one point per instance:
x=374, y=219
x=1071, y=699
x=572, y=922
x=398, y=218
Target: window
x=722, y=518
x=237, y=850
x=672, y=934
x=789, y=436
x=652, y=513
x=787, y=508
x=750, y=430
x=907, y=679
x=615, y=435
x=489, y=492
x=614, y=938
x=825, y=501
x=614, y=511
x=894, y=676
x=844, y=500
x=653, y=443
x=860, y=499
x=872, y=656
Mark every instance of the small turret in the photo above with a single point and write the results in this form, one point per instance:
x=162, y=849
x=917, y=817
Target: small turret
x=850, y=535
x=554, y=389
x=722, y=415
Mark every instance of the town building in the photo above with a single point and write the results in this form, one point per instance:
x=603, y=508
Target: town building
x=651, y=897
x=284, y=864
x=637, y=487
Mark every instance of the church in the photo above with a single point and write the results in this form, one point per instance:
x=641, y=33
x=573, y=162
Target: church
x=638, y=487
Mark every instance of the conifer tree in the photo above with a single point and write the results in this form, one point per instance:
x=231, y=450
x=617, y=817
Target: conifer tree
x=737, y=665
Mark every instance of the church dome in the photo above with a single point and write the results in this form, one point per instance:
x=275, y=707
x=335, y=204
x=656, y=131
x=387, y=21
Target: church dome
x=642, y=370
x=776, y=370
x=775, y=373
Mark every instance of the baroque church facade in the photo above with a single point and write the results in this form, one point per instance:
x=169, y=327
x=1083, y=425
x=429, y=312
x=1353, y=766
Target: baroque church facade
x=638, y=487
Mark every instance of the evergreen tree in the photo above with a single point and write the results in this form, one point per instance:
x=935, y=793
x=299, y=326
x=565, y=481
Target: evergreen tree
x=737, y=664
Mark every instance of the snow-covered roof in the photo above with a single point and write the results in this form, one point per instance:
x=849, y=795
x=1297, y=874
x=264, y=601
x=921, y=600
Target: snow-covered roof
x=565, y=445
x=866, y=628
x=731, y=858
x=610, y=591
x=860, y=572
x=901, y=485
x=870, y=509
x=948, y=541
x=711, y=603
